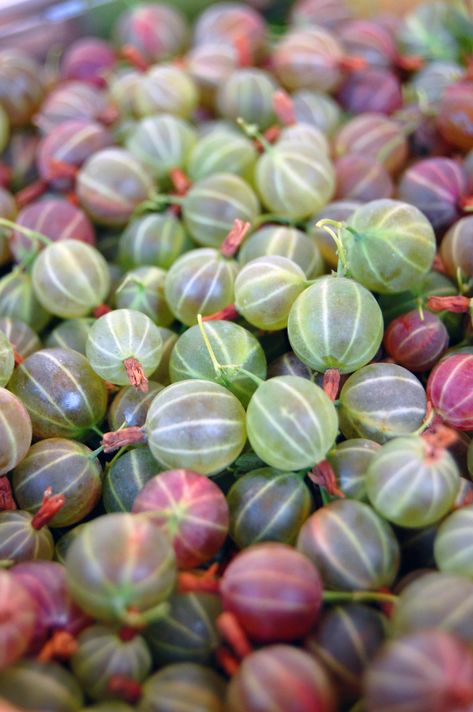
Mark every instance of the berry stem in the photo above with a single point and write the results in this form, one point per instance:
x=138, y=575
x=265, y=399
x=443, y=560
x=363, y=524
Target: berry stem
x=131, y=280
x=159, y=201
x=462, y=288
x=420, y=308
x=32, y=234
x=208, y=346
x=140, y=620
x=27, y=258
x=253, y=132
x=116, y=457
x=265, y=218
x=50, y=506
x=324, y=496
x=326, y=225
x=428, y=419
x=93, y=455
x=234, y=366
x=359, y=597
x=219, y=367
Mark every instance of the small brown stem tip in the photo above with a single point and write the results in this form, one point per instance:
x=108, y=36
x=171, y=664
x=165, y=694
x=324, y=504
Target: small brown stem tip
x=459, y=305
x=331, y=383
x=61, y=646
x=438, y=438
x=6, y=175
x=111, y=387
x=125, y=687
x=180, y=181
x=122, y=438
x=61, y=169
x=18, y=357
x=127, y=633
x=50, y=506
x=109, y=115
x=72, y=198
x=7, y=503
x=271, y=135
x=199, y=581
x=31, y=192
x=235, y=237
x=233, y=634
x=242, y=46
x=227, y=313
x=101, y=310
x=324, y=476
x=228, y=662
x=466, y=203
x=438, y=265
x=283, y=106
x=136, y=375
x=134, y=56
x=410, y=63
x=353, y=64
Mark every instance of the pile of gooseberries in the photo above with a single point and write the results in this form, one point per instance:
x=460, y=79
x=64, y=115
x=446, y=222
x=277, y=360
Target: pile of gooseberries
x=236, y=361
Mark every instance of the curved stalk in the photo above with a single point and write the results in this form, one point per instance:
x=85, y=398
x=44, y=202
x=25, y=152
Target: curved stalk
x=327, y=225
